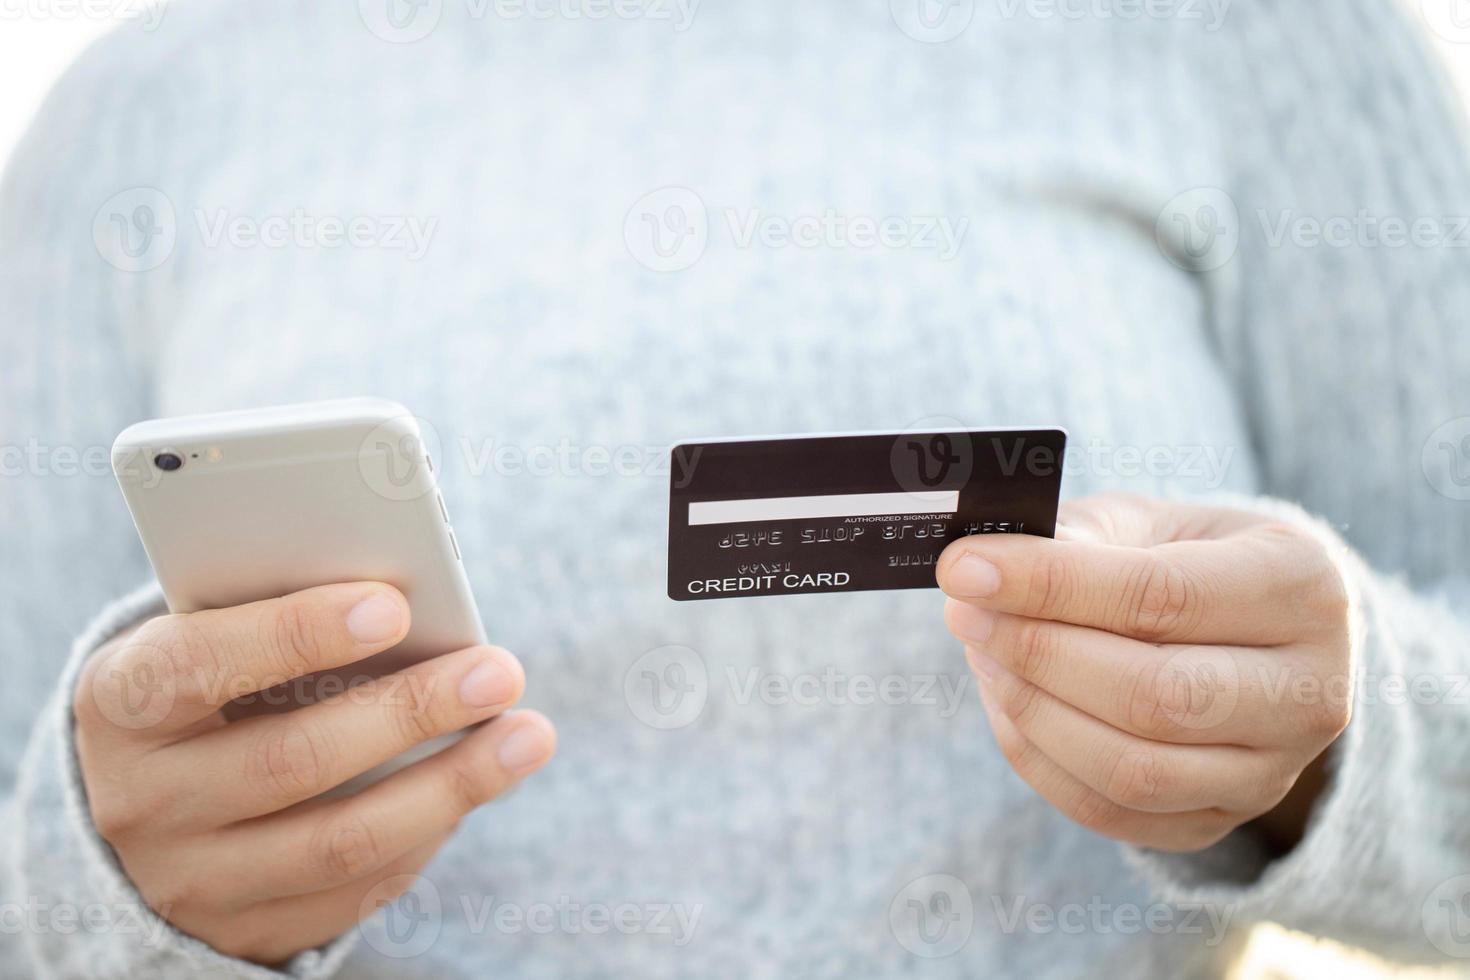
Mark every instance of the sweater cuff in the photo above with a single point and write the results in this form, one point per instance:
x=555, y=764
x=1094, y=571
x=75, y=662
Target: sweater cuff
x=65, y=866
x=1378, y=843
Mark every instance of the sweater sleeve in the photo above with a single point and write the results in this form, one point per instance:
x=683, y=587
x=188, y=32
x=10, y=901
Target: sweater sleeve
x=1385, y=862
x=1350, y=360
x=77, y=302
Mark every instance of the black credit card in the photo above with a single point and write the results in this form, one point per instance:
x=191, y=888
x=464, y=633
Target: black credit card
x=849, y=513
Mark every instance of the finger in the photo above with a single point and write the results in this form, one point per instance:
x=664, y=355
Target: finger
x=1184, y=694
x=1090, y=809
x=332, y=843
x=176, y=670
x=1135, y=773
x=266, y=763
x=1247, y=589
x=273, y=931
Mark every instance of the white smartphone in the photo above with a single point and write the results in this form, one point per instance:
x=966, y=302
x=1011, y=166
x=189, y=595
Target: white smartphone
x=241, y=506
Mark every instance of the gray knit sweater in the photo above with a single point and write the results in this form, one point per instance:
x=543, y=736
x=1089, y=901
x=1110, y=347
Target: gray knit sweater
x=1220, y=242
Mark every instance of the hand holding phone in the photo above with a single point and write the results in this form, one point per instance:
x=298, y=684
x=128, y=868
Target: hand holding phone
x=220, y=825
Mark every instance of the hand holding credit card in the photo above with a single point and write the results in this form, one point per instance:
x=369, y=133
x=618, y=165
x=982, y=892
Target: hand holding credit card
x=852, y=512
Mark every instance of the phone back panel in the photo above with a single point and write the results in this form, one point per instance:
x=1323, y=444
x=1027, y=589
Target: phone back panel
x=271, y=501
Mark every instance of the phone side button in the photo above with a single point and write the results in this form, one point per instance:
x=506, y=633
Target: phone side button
x=455, y=545
x=443, y=511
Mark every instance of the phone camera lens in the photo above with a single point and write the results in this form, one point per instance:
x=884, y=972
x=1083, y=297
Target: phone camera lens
x=168, y=462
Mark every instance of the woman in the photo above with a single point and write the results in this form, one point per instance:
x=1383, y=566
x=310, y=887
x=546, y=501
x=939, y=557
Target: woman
x=583, y=232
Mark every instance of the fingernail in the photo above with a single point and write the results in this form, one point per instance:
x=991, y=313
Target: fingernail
x=973, y=577
x=524, y=748
x=375, y=619
x=983, y=663
x=487, y=684
x=971, y=622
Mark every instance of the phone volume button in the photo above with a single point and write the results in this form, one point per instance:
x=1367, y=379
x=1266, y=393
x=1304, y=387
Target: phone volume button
x=455, y=545
x=443, y=511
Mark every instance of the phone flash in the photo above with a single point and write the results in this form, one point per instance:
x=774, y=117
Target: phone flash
x=213, y=454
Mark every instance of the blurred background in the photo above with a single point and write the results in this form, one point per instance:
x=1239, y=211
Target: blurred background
x=40, y=38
